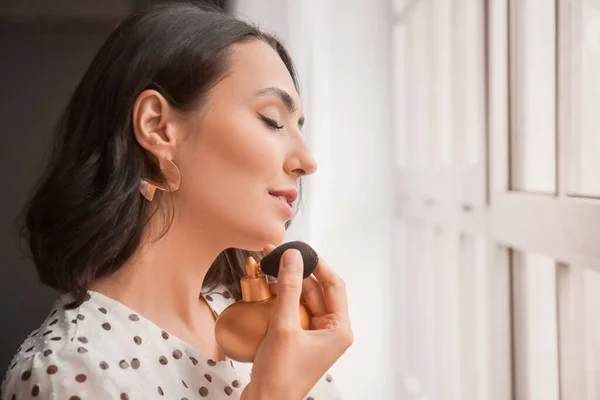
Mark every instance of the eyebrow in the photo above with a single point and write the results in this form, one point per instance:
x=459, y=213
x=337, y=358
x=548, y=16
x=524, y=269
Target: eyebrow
x=285, y=98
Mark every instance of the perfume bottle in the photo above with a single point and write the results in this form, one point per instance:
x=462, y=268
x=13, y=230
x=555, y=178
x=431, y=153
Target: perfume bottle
x=242, y=326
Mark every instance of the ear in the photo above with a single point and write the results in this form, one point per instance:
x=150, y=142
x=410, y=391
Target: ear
x=153, y=124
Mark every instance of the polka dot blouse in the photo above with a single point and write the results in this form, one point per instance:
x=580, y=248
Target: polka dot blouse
x=105, y=350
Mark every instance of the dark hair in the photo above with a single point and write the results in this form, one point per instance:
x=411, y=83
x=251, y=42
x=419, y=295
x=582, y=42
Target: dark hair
x=86, y=218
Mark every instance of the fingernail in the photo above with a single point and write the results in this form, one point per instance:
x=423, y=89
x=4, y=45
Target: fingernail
x=292, y=260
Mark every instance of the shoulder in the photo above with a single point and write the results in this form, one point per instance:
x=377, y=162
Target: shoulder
x=64, y=358
x=64, y=373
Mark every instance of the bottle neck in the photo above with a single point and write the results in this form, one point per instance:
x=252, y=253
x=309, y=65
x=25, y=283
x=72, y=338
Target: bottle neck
x=255, y=286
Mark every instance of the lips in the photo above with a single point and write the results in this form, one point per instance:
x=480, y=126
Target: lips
x=289, y=196
x=284, y=199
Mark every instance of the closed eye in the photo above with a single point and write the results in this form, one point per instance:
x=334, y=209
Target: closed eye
x=270, y=122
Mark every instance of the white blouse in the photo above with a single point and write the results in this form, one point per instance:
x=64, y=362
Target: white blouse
x=104, y=350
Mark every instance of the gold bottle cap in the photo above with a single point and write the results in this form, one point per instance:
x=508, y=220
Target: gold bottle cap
x=255, y=286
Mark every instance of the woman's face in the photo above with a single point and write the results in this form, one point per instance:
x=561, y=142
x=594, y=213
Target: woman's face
x=244, y=148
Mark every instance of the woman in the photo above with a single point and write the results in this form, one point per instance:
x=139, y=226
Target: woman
x=180, y=146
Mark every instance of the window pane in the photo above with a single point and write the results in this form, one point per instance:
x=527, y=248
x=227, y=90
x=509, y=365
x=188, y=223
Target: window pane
x=471, y=262
x=422, y=309
x=535, y=329
x=447, y=328
x=585, y=103
x=442, y=86
x=533, y=96
x=592, y=332
x=400, y=95
x=469, y=64
x=418, y=86
x=400, y=299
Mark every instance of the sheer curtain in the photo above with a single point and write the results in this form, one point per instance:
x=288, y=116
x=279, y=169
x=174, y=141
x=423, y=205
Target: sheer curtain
x=342, y=51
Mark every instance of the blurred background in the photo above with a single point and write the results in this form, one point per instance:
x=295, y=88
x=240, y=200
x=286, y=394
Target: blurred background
x=457, y=191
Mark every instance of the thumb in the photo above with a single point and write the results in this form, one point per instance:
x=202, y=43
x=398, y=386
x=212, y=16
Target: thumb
x=289, y=288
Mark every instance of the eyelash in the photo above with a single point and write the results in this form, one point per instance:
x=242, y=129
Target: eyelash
x=270, y=123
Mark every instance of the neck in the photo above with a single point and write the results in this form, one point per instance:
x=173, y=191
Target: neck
x=163, y=280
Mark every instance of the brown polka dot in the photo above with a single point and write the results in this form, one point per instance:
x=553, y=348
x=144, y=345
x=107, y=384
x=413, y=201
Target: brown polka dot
x=163, y=360
x=13, y=366
x=165, y=335
x=82, y=350
x=135, y=363
x=211, y=363
x=227, y=295
x=134, y=317
x=137, y=340
x=124, y=396
x=194, y=361
x=208, y=377
x=53, y=322
x=184, y=384
x=231, y=363
x=52, y=369
x=328, y=378
x=106, y=326
x=228, y=390
x=74, y=321
x=26, y=375
x=209, y=297
x=184, y=398
x=203, y=391
x=80, y=317
x=46, y=333
x=235, y=384
x=123, y=364
x=74, y=398
x=35, y=390
x=160, y=391
x=102, y=310
x=177, y=354
x=103, y=365
x=216, y=314
x=82, y=339
x=35, y=333
x=55, y=338
x=29, y=349
x=53, y=312
x=310, y=398
x=47, y=353
x=80, y=378
x=87, y=297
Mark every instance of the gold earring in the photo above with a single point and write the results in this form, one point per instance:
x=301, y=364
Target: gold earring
x=171, y=180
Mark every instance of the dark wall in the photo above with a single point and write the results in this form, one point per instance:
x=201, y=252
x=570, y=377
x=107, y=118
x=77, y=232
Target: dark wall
x=38, y=73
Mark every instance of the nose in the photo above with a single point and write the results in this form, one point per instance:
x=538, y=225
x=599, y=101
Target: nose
x=300, y=161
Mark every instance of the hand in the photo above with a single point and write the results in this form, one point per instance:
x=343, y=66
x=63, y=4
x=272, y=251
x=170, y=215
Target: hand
x=290, y=360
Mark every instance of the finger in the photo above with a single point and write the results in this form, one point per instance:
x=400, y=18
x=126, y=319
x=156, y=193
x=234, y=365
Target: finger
x=313, y=296
x=327, y=321
x=289, y=288
x=273, y=288
x=334, y=289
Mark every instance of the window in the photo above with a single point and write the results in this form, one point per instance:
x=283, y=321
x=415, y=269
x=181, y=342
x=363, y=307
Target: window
x=498, y=134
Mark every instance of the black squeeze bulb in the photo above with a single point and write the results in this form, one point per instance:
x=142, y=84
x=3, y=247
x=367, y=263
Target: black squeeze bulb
x=270, y=263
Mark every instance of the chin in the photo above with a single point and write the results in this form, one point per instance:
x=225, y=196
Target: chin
x=268, y=234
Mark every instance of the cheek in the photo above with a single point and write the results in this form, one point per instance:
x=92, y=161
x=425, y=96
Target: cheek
x=230, y=170
x=239, y=159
